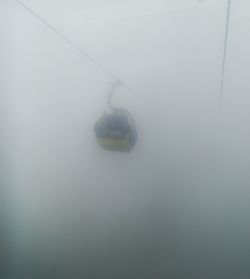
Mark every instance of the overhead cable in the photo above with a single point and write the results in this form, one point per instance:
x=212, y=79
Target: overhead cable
x=76, y=47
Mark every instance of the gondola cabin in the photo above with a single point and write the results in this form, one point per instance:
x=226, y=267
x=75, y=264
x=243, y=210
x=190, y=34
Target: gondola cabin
x=116, y=131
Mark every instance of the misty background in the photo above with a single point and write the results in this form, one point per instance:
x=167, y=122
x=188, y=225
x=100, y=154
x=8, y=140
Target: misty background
x=177, y=206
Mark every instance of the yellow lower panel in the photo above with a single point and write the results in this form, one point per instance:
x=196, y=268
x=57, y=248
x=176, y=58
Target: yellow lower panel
x=113, y=142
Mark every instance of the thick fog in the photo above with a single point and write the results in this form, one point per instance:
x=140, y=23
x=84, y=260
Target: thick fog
x=176, y=206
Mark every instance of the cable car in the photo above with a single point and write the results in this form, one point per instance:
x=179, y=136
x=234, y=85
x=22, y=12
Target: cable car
x=116, y=131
